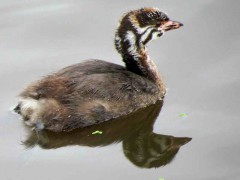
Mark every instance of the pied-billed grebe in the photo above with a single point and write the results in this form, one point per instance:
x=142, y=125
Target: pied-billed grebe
x=96, y=91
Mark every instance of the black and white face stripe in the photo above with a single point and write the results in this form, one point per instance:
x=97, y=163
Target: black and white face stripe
x=151, y=34
x=133, y=39
x=146, y=34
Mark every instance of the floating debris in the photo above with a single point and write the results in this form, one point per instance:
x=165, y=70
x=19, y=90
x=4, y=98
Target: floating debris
x=97, y=132
x=182, y=115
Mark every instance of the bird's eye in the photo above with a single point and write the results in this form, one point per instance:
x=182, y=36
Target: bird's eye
x=162, y=23
x=158, y=24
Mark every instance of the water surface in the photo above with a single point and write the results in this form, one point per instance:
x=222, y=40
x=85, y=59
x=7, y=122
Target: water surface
x=200, y=63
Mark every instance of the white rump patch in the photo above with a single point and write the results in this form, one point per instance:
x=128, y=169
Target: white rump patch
x=31, y=108
x=29, y=103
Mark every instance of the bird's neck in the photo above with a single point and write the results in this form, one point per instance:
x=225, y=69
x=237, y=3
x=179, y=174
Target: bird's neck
x=136, y=58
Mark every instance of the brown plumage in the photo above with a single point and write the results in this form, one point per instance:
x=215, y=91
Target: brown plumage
x=89, y=93
x=96, y=91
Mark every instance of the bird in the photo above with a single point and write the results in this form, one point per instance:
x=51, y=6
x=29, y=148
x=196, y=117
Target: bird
x=95, y=91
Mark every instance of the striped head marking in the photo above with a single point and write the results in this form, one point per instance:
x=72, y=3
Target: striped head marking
x=146, y=24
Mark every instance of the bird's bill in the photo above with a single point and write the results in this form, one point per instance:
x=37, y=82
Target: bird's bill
x=171, y=25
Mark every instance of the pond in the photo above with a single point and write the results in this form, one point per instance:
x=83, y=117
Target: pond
x=193, y=134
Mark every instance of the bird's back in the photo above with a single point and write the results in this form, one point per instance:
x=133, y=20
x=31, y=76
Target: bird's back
x=86, y=93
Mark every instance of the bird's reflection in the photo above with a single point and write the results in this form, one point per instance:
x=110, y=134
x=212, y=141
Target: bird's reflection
x=140, y=145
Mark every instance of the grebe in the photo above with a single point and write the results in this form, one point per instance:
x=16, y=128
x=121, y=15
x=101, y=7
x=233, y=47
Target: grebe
x=96, y=91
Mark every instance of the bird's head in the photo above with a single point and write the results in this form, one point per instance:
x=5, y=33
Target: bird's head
x=141, y=26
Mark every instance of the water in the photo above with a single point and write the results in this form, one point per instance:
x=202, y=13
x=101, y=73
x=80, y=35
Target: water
x=200, y=63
